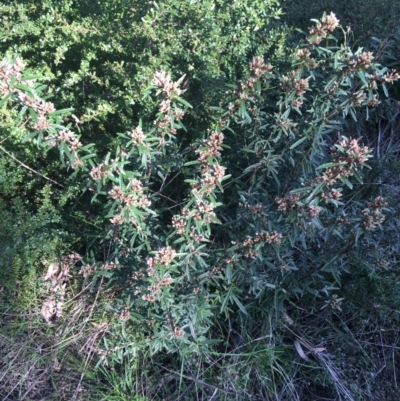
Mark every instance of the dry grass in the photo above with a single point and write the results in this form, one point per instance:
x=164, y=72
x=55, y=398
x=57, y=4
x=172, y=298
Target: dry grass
x=49, y=360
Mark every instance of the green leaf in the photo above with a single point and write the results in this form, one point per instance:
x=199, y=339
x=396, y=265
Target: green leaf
x=30, y=136
x=301, y=190
x=5, y=98
x=183, y=101
x=385, y=90
x=316, y=190
x=299, y=142
x=191, y=163
x=228, y=273
x=346, y=181
x=239, y=304
x=329, y=165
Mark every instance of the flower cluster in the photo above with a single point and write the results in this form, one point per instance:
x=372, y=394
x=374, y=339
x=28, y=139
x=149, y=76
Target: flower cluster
x=151, y=297
x=374, y=101
x=11, y=73
x=255, y=209
x=136, y=276
x=179, y=224
x=135, y=198
x=156, y=288
x=313, y=211
x=332, y=195
x=361, y=61
x=323, y=27
x=109, y=266
x=137, y=136
x=117, y=219
x=197, y=238
x=164, y=81
x=207, y=209
x=391, y=76
x=42, y=108
x=358, y=98
x=136, y=186
x=299, y=86
x=287, y=124
x=72, y=142
x=343, y=219
x=347, y=154
x=288, y=202
x=330, y=22
x=272, y=237
x=258, y=66
x=211, y=148
x=211, y=173
x=372, y=216
x=69, y=138
x=170, y=91
x=8, y=71
x=303, y=54
x=364, y=59
x=178, y=113
x=297, y=103
x=204, y=212
x=99, y=172
x=211, y=177
x=292, y=83
x=163, y=257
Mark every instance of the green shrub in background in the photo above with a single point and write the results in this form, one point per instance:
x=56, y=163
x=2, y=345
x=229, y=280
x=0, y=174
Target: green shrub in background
x=25, y=241
x=100, y=54
x=229, y=224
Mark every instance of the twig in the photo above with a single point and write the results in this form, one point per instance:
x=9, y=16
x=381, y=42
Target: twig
x=33, y=384
x=215, y=392
x=18, y=381
x=30, y=169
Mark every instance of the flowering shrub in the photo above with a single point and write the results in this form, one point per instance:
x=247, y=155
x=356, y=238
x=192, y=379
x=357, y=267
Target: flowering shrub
x=278, y=228
x=213, y=224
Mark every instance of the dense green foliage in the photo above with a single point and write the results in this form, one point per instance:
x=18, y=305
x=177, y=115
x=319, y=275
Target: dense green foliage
x=198, y=201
